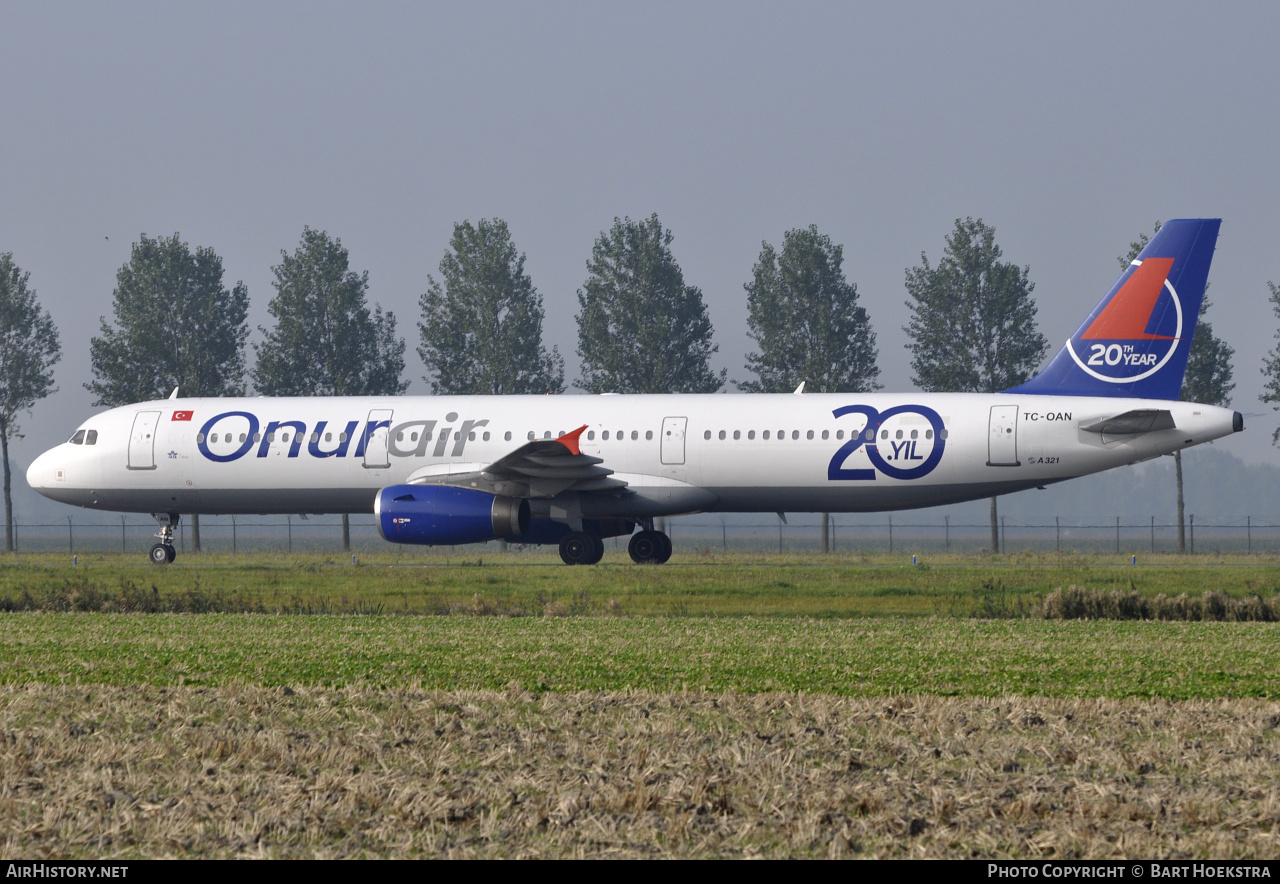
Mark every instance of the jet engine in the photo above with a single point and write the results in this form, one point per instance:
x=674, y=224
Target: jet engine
x=442, y=514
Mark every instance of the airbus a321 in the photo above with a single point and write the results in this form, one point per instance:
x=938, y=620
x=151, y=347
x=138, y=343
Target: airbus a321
x=573, y=470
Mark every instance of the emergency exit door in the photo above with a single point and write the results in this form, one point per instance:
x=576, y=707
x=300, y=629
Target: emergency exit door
x=673, y=439
x=1002, y=441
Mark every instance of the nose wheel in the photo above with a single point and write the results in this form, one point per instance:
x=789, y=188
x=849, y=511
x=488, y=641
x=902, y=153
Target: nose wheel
x=162, y=554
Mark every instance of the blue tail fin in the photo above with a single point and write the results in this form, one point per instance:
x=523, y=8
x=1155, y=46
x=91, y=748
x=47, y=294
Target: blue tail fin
x=1135, y=343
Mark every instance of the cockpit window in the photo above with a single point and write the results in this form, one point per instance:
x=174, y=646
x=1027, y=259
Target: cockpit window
x=78, y=438
x=91, y=437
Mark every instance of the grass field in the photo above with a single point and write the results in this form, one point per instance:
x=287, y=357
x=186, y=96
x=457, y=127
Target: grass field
x=708, y=708
x=767, y=586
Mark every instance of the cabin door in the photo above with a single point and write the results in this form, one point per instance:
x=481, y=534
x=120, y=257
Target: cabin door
x=1002, y=441
x=142, y=444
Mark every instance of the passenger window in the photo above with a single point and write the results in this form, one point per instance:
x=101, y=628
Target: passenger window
x=399, y=437
x=871, y=434
x=342, y=437
x=898, y=435
x=315, y=437
x=546, y=434
x=928, y=434
x=591, y=435
x=944, y=434
x=471, y=437
x=782, y=434
x=751, y=434
x=257, y=437
x=506, y=437
x=413, y=437
x=486, y=435
x=809, y=435
x=913, y=434
x=328, y=437
x=648, y=434
x=605, y=435
x=635, y=435
x=765, y=435
x=284, y=437
x=737, y=434
x=531, y=435
x=884, y=434
x=705, y=435
x=271, y=437
x=722, y=435
x=795, y=434
x=243, y=437
x=78, y=438
x=826, y=433
x=199, y=438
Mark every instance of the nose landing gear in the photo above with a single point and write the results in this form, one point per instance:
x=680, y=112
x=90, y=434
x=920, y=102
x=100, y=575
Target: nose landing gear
x=163, y=553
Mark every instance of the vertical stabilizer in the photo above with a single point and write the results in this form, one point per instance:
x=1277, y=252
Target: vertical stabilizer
x=1136, y=341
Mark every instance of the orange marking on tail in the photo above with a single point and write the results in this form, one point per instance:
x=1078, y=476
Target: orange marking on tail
x=1126, y=315
x=570, y=440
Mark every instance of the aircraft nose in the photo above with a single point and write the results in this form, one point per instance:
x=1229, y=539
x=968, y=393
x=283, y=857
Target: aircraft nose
x=40, y=473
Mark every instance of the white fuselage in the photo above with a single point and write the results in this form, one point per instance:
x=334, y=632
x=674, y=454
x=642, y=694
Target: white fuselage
x=677, y=453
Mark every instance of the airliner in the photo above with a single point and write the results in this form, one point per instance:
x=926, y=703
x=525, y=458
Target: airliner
x=573, y=470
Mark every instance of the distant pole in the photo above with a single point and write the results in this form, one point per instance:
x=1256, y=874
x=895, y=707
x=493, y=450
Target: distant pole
x=1004, y=539
x=289, y=522
x=1117, y=535
x=724, y=536
x=1057, y=527
x=71, y=538
x=1248, y=526
x=346, y=532
x=122, y=549
x=1193, y=534
x=947, y=530
x=195, y=532
x=233, y=535
x=891, y=535
x=779, y=537
x=826, y=533
x=1153, y=534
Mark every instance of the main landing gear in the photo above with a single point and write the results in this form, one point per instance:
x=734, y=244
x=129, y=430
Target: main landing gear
x=163, y=553
x=581, y=548
x=649, y=547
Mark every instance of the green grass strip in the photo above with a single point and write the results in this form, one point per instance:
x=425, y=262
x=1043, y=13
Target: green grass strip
x=852, y=657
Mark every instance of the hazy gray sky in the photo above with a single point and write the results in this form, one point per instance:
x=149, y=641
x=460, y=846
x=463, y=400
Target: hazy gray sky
x=1070, y=127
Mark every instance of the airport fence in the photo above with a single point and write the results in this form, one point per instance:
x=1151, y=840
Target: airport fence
x=699, y=533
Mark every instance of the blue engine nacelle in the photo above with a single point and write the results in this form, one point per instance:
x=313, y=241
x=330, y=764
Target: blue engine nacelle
x=442, y=515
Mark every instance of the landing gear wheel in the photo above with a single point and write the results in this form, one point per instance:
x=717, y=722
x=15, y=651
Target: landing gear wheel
x=666, y=548
x=649, y=548
x=580, y=548
x=162, y=554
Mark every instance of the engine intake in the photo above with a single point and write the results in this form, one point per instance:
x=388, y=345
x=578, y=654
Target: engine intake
x=442, y=515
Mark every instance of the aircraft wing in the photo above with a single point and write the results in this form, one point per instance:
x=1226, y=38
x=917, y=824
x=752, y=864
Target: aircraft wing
x=541, y=468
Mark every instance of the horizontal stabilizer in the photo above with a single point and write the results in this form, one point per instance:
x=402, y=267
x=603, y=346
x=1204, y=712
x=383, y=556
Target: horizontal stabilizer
x=1132, y=423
